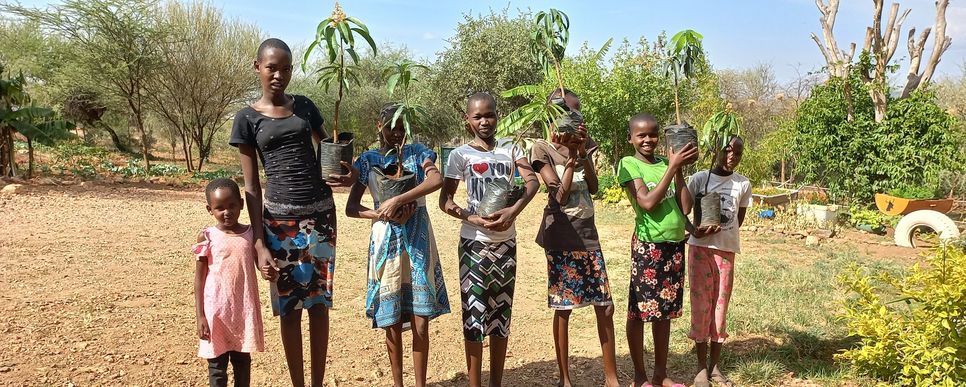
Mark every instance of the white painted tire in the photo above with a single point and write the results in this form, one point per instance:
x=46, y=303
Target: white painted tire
x=934, y=220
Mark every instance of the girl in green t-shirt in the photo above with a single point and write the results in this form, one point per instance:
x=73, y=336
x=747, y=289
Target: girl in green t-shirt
x=657, y=246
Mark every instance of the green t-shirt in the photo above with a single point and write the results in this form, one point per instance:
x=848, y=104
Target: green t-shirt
x=665, y=223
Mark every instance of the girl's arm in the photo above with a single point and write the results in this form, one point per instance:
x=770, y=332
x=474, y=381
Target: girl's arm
x=201, y=275
x=684, y=198
x=449, y=206
x=354, y=207
x=648, y=200
x=741, y=215
x=590, y=171
x=432, y=182
x=590, y=174
x=559, y=189
x=253, y=196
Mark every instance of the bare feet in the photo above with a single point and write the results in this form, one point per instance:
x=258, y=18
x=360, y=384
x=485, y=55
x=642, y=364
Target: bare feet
x=701, y=380
x=720, y=378
x=665, y=382
x=640, y=381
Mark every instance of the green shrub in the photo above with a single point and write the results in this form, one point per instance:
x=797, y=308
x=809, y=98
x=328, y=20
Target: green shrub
x=167, y=170
x=217, y=174
x=914, y=192
x=855, y=159
x=606, y=180
x=611, y=195
x=911, y=328
x=77, y=159
x=869, y=217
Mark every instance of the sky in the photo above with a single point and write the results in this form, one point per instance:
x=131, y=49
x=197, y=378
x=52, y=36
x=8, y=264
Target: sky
x=737, y=33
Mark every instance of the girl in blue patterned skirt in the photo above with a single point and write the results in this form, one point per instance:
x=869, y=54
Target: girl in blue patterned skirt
x=405, y=279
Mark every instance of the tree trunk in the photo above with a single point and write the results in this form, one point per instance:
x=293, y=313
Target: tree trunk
x=783, y=171
x=30, y=158
x=677, y=104
x=203, y=153
x=186, y=149
x=115, y=138
x=880, y=101
x=8, y=164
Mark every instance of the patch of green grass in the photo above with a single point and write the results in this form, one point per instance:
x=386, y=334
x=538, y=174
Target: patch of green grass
x=783, y=316
x=756, y=372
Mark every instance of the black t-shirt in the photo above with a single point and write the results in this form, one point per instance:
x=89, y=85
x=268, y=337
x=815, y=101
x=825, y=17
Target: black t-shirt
x=287, y=151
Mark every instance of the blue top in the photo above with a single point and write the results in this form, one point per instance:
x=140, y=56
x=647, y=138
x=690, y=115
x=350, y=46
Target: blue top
x=413, y=157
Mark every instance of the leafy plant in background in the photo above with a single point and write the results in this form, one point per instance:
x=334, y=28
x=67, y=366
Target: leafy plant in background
x=917, y=192
x=855, y=159
x=548, y=43
x=18, y=114
x=912, y=327
x=684, y=57
x=338, y=35
x=859, y=215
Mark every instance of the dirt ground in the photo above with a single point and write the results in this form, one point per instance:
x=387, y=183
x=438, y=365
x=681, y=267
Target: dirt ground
x=97, y=290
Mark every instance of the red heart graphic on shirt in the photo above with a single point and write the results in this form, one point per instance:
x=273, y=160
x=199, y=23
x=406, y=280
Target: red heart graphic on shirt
x=480, y=168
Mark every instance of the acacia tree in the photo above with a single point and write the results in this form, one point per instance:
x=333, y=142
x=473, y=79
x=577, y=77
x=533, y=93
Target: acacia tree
x=195, y=102
x=878, y=49
x=117, y=44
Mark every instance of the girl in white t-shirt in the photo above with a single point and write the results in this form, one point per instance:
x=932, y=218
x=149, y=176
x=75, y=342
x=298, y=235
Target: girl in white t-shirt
x=711, y=255
x=487, y=249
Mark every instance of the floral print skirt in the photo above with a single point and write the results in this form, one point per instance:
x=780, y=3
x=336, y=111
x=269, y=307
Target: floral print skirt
x=576, y=279
x=657, y=280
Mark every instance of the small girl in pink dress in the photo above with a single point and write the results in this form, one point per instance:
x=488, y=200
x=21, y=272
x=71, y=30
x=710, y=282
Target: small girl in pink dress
x=226, y=292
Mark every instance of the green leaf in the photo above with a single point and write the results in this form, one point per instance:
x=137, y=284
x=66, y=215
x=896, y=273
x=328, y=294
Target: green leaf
x=359, y=24
x=365, y=35
x=391, y=83
x=396, y=115
x=308, y=52
x=523, y=91
x=353, y=55
x=345, y=33
x=331, y=44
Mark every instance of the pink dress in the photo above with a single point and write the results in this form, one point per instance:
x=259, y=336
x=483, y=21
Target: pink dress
x=232, y=307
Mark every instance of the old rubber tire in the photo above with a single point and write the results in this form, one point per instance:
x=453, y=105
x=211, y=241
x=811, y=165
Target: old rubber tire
x=937, y=221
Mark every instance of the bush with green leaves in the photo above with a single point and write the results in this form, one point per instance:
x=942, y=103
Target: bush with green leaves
x=857, y=158
x=917, y=192
x=77, y=159
x=863, y=216
x=219, y=173
x=911, y=328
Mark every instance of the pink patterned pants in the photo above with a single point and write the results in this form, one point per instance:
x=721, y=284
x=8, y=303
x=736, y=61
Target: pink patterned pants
x=711, y=276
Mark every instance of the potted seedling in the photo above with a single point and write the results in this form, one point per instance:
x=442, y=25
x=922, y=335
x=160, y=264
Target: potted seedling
x=717, y=134
x=548, y=42
x=870, y=221
x=393, y=179
x=338, y=35
x=684, y=56
x=500, y=193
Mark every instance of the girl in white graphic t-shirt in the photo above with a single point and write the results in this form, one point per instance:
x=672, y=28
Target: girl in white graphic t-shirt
x=487, y=249
x=711, y=256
